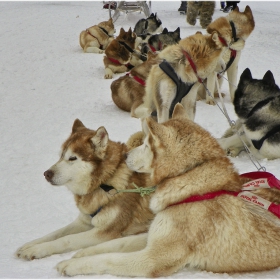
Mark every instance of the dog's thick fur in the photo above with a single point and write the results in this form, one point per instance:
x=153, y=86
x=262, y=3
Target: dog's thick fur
x=96, y=38
x=127, y=92
x=220, y=235
x=244, y=25
x=89, y=159
x=205, y=10
x=119, y=52
x=256, y=104
x=204, y=50
x=158, y=42
x=150, y=25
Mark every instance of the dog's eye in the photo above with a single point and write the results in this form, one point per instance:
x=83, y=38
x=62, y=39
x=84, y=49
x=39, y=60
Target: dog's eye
x=72, y=158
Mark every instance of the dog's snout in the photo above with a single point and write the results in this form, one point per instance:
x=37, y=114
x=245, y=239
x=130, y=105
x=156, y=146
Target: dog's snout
x=48, y=175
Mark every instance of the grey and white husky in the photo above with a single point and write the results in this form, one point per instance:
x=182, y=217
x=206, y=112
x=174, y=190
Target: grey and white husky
x=158, y=42
x=150, y=25
x=256, y=104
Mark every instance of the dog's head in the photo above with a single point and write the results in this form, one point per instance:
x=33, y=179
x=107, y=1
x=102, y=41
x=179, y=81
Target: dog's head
x=205, y=52
x=154, y=24
x=243, y=22
x=108, y=26
x=251, y=91
x=171, y=148
x=128, y=37
x=81, y=159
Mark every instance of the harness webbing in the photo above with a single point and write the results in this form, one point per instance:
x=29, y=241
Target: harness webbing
x=182, y=88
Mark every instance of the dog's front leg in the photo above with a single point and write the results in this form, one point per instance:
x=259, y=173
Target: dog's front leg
x=81, y=224
x=125, y=244
x=189, y=101
x=65, y=244
x=167, y=92
x=232, y=75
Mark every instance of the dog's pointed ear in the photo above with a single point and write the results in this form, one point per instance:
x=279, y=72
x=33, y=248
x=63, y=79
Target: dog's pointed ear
x=129, y=31
x=215, y=38
x=77, y=125
x=121, y=31
x=155, y=129
x=179, y=112
x=100, y=142
x=269, y=78
x=248, y=11
x=236, y=9
x=165, y=30
x=246, y=76
x=177, y=30
x=110, y=21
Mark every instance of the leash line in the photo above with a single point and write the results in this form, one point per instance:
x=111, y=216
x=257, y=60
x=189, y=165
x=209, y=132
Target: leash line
x=232, y=124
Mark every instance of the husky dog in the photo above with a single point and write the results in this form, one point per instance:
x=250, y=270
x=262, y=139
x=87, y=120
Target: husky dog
x=200, y=220
x=205, y=10
x=91, y=165
x=96, y=38
x=150, y=25
x=120, y=55
x=128, y=91
x=256, y=104
x=191, y=60
x=233, y=30
x=159, y=41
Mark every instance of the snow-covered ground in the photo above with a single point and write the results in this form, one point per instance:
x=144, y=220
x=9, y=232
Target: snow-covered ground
x=47, y=82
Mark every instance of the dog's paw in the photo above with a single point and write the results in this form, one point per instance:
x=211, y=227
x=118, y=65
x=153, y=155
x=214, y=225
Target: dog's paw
x=72, y=267
x=211, y=102
x=33, y=252
x=233, y=152
x=108, y=76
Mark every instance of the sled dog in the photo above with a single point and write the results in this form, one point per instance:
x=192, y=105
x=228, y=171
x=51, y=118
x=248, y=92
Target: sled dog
x=150, y=25
x=96, y=38
x=90, y=166
x=198, y=222
x=158, y=42
x=233, y=30
x=128, y=90
x=256, y=104
x=192, y=60
x=120, y=55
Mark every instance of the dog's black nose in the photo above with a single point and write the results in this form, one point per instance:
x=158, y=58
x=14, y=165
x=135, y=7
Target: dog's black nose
x=125, y=156
x=48, y=175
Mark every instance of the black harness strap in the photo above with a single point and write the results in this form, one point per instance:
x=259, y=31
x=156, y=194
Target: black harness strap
x=258, y=143
x=182, y=88
x=105, y=31
x=259, y=106
x=105, y=188
x=233, y=30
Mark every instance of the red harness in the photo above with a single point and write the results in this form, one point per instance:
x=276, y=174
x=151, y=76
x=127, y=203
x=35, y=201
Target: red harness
x=154, y=49
x=192, y=65
x=115, y=61
x=260, y=180
x=101, y=46
x=139, y=80
x=232, y=53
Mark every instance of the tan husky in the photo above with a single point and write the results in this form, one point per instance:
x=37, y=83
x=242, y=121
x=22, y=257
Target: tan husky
x=192, y=60
x=128, y=91
x=199, y=223
x=96, y=38
x=233, y=30
x=90, y=166
x=120, y=55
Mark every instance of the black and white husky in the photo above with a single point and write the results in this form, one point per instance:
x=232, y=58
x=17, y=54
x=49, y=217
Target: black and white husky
x=256, y=104
x=150, y=25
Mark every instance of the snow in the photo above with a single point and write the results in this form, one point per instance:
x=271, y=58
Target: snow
x=47, y=82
